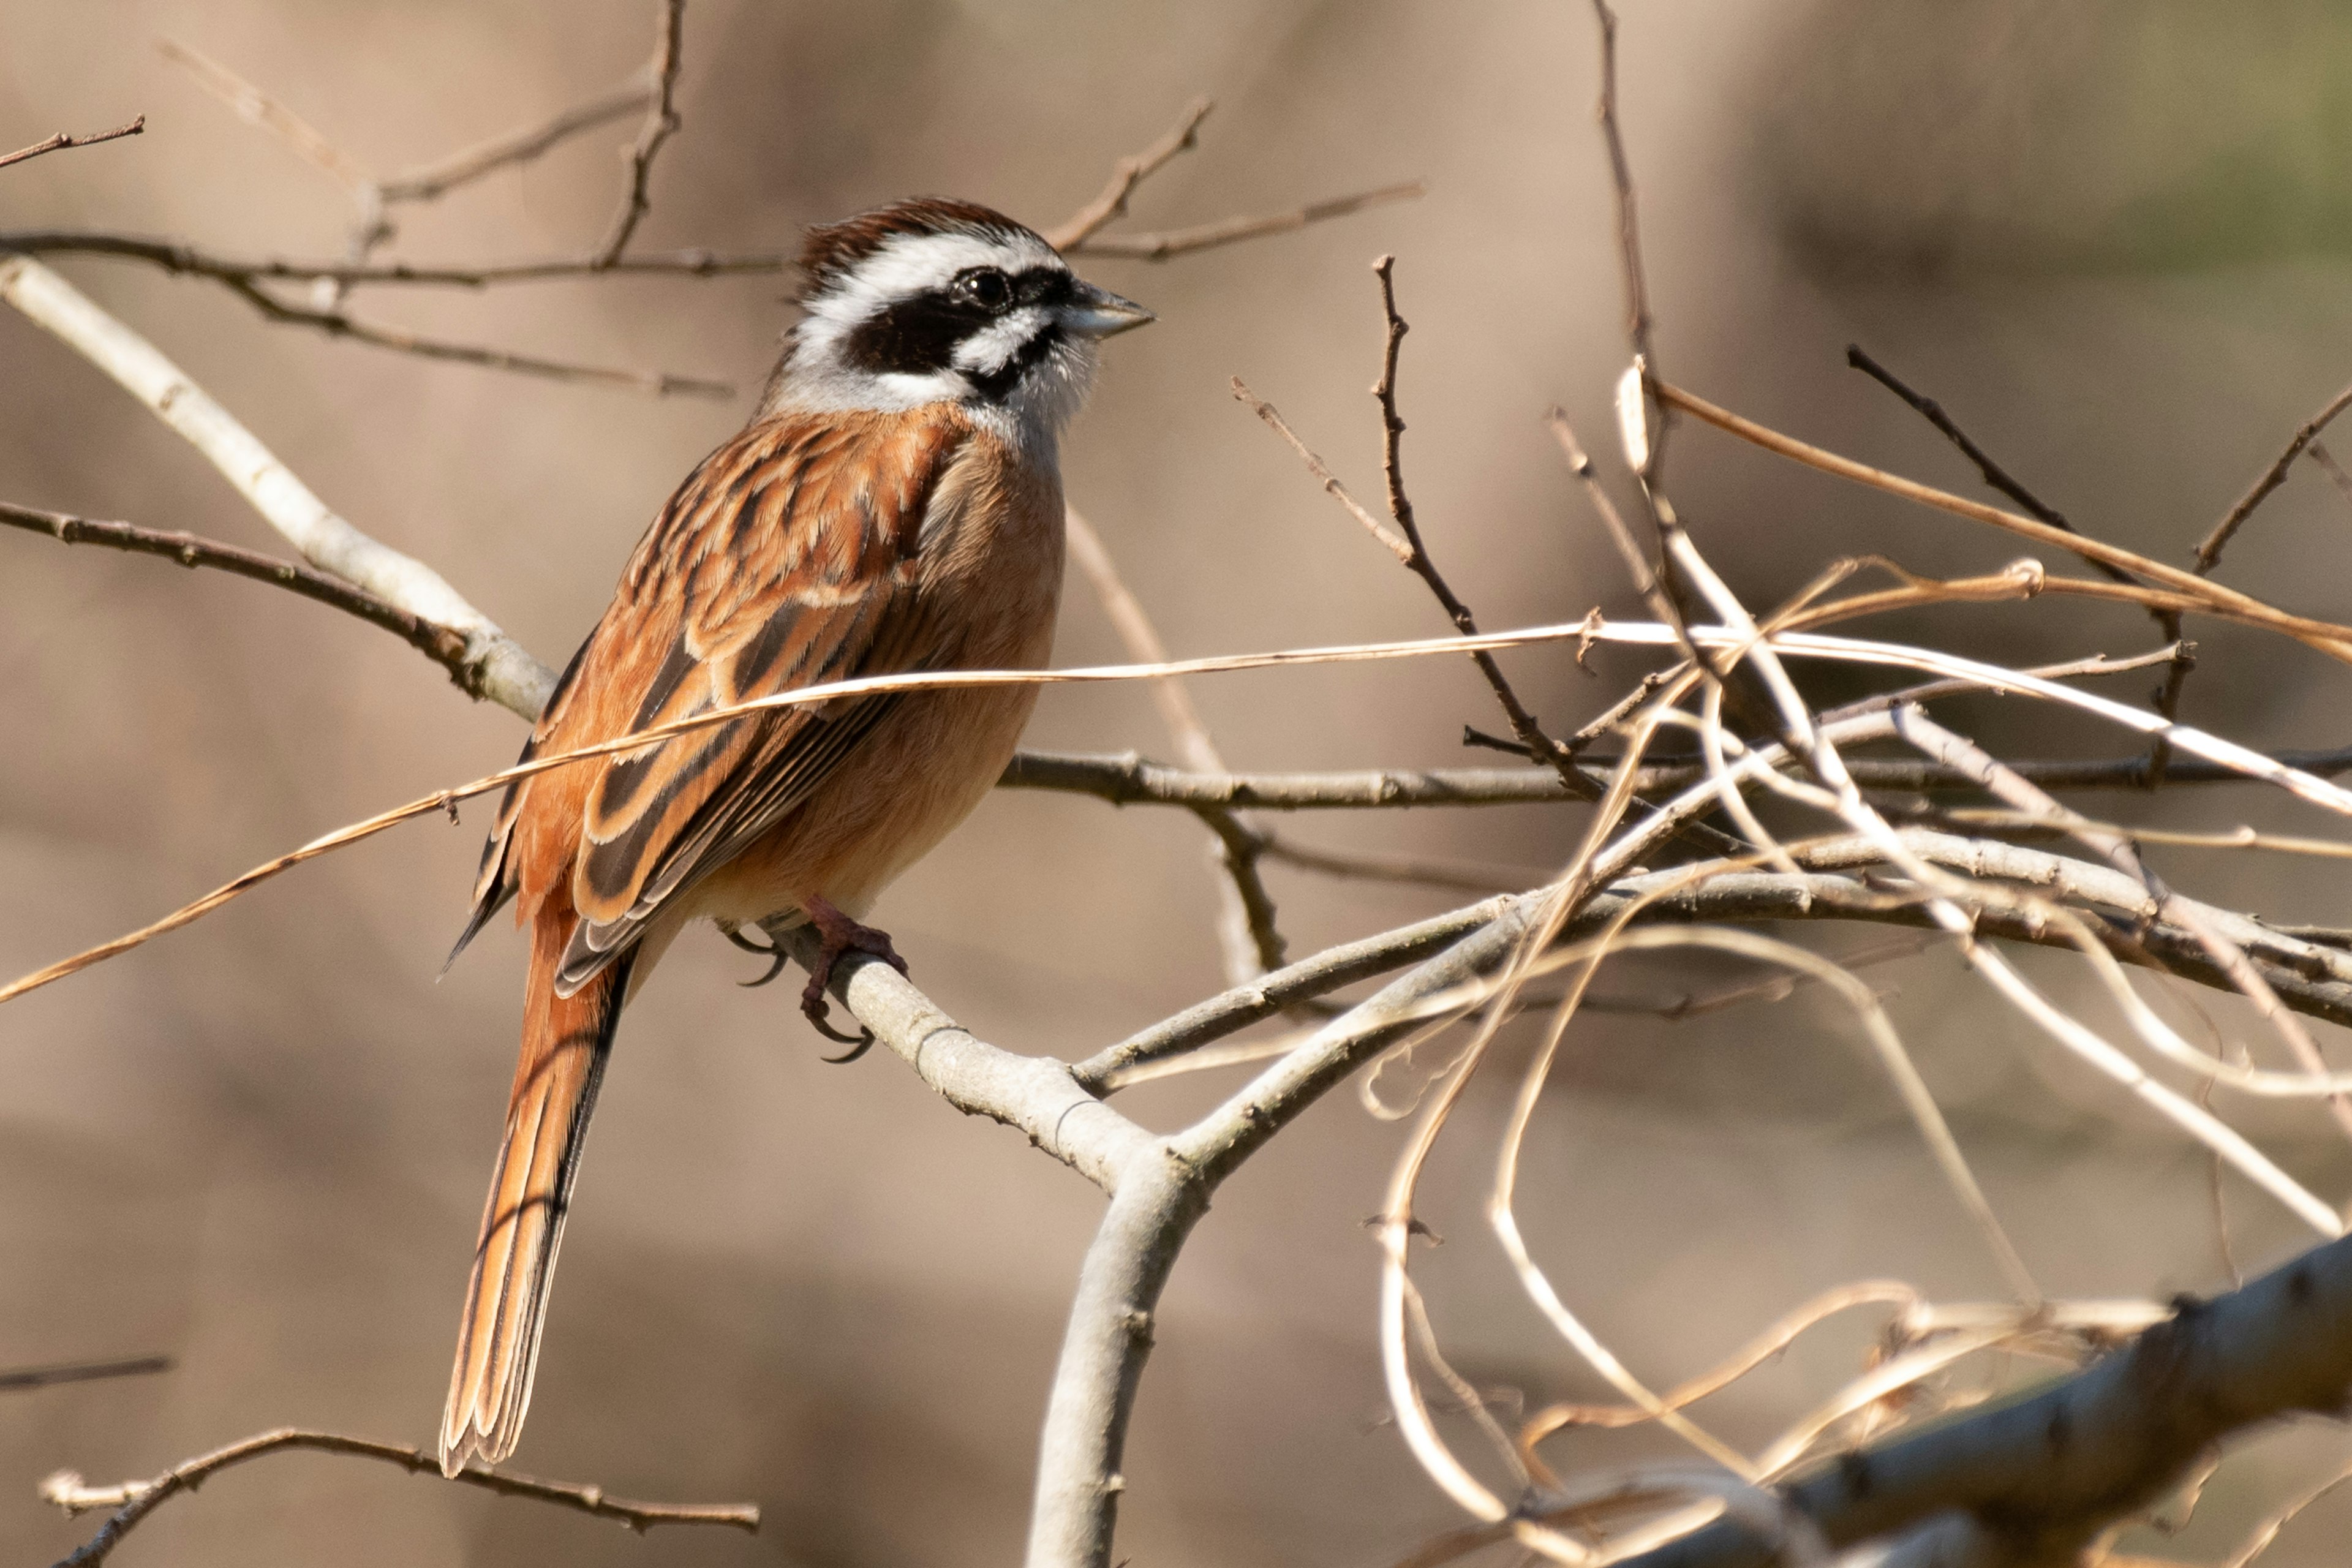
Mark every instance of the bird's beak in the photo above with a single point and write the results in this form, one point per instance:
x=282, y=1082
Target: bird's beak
x=1100, y=313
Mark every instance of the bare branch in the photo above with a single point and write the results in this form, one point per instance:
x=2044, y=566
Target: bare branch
x=256, y=106
x=1620, y=173
x=1994, y=474
x=134, y=1501
x=430, y=181
x=2044, y=1475
x=1531, y=734
x=1035, y=1096
x=338, y=323
x=500, y=668
x=1397, y=545
x=439, y=643
x=2208, y=553
x=82, y=1371
x=1126, y=174
x=1130, y=780
x=62, y=141
x=1327, y=971
x=662, y=121
x=173, y=257
x=2167, y=621
x=1234, y=230
x=2208, y=597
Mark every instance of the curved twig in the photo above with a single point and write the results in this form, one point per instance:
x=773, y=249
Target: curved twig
x=134, y=1501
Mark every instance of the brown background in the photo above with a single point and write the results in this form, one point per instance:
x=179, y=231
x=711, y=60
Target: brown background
x=2110, y=240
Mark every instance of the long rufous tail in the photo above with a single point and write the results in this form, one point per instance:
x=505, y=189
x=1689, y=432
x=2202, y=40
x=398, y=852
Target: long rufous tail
x=565, y=1040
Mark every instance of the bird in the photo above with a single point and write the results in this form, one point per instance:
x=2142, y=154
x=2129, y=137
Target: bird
x=894, y=504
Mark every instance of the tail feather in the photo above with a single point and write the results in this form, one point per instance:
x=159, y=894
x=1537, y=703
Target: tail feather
x=566, y=1042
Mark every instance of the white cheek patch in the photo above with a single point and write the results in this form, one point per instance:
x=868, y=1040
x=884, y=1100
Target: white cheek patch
x=992, y=348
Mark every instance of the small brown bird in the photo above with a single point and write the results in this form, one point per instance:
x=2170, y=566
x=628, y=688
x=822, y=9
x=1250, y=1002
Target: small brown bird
x=895, y=505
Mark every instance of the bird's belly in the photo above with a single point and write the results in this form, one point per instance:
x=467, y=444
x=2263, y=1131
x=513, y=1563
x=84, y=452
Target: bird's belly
x=921, y=771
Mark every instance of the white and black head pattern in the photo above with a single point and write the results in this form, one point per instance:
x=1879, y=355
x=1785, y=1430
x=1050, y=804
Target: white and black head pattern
x=935, y=300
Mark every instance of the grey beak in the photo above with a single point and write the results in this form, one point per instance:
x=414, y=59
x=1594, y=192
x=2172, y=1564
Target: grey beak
x=1100, y=313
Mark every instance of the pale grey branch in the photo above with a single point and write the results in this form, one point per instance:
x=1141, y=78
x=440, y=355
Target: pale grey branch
x=2044, y=1475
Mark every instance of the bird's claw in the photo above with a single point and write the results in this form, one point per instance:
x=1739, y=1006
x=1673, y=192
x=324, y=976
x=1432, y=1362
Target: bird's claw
x=840, y=934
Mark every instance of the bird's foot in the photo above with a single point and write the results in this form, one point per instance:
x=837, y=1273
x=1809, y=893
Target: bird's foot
x=840, y=936
x=770, y=950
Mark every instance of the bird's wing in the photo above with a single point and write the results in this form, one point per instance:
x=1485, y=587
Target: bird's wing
x=787, y=559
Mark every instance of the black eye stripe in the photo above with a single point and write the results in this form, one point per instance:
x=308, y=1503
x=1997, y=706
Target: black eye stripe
x=918, y=335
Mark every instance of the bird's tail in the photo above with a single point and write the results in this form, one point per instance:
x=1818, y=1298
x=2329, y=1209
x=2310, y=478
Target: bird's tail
x=565, y=1040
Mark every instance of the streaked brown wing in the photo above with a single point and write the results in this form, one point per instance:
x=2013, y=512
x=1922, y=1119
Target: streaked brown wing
x=785, y=560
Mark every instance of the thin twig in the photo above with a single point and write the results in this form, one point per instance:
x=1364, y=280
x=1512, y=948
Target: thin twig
x=1178, y=242
x=1994, y=475
x=82, y=1371
x=446, y=800
x=2167, y=622
x=1531, y=733
x=338, y=323
x=1620, y=175
x=1126, y=174
x=134, y=1501
x=187, y=260
x=442, y=645
x=662, y=121
x=1396, y=544
x=62, y=141
x=505, y=672
x=430, y=181
x=2207, y=596
x=2230, y=958
x=2208, y=553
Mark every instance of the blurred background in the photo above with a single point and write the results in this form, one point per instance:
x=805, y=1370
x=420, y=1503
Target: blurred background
x=2111, y=238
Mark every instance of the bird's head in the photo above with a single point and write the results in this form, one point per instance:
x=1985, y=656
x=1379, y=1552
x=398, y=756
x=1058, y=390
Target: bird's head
x=932, y=300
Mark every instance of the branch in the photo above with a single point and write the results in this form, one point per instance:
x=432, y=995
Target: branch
x=1993, y=473
x=2208, y=553
x=1130, y=780
x=187, y=260
x=2044, y=1476
x=2167, y=622
x=2205, y=595
x=496, y=666
x=662, y=121
x=1531, y=734
x=1238, y=1008
x=62, y=141
x=1035, y=1096
x=1620, y=175
x=436, y=642
x=134, y=1501
x=430, y=181
x=82, y=1371
x=1127, y=174
x=336, y=322
x=1234, y=230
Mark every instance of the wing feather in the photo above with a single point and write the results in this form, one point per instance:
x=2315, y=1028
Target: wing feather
x=787, y=558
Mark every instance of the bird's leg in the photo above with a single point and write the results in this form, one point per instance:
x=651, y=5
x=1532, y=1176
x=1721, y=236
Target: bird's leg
x=840, y=934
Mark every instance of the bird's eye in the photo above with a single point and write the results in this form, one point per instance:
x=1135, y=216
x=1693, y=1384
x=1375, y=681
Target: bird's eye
x=984, y=287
